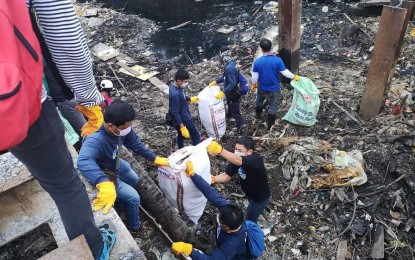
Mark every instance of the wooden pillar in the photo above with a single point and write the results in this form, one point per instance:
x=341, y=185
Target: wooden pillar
x=383, y=60
x=409, y=6
x=289, y=27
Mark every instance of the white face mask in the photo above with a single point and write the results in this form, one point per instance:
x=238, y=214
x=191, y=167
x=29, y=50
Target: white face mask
x=123, y=132
x=184, y=85
x=239, y=153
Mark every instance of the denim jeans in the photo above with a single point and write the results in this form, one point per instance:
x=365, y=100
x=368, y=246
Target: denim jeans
x=194, y=134
x=74, y=117
x=46, y=156
x=127, y=195
x=255, y=209
x=273, y=100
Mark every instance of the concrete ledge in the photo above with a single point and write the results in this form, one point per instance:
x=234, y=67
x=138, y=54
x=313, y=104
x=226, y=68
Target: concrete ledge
x=74, y=250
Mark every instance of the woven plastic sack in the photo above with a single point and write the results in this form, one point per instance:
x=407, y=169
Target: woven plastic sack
x=178, y=188
x=305, y=103
x=212, y=112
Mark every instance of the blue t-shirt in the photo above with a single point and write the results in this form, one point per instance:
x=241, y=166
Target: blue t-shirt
x=268, y=68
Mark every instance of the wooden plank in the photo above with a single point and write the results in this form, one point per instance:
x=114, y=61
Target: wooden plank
x=378, y=250
x=383, y=60
x=75, y=249
x=289, y=34
x=127, y=68
x=160, y=85
x=341, y=250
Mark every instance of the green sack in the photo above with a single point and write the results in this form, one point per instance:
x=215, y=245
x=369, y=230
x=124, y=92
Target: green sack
x=70, y=133
x=305, y=104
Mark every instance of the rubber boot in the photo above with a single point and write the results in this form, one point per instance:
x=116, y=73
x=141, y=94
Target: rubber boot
x=270, y=121
x=258, y=113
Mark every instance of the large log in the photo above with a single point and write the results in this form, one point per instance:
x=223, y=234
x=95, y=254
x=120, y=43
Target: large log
x=153, y=200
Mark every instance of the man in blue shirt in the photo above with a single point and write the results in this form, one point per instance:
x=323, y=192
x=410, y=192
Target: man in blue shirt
x=179, y=109
x=100, y=164
x=231, y=228
x=265, y=77
x=231, y=90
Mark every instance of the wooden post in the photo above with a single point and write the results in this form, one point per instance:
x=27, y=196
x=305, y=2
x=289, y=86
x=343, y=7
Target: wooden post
x=409, y=6
x=383, y=60
x=289, y=27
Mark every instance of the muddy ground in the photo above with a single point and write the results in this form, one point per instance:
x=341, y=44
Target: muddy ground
x=306, y=224
x=335, y=55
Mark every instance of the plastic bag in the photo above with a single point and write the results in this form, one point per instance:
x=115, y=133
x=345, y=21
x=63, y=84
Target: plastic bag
x=70, y=133
x=178, y=188
x=305, y=103
x=212, y=112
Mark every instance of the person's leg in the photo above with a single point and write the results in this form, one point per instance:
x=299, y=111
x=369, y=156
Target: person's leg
x=194, y=133
x=74, y=117
x=180, y=140
x=46, y=156
x=255, y=209
x=235, y=107
x=259, y=103
x=273, y=98
x=129, y=198
x=127, y=195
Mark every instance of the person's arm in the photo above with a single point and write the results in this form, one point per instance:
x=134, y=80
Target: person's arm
x=232, y=74
x=67, y=44
x=87, y=163
x=220, y=79
x=132, y=142
x=221, y=178
x=175, y=109
x=225, y=251
x=231, y=157
x=210, y=193
x=288, y=74
x=255, y=74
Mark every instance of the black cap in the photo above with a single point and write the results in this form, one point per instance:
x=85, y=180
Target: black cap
x=224, y=48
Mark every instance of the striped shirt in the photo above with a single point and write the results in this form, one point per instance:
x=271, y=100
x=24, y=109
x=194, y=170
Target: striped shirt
x=67, y=44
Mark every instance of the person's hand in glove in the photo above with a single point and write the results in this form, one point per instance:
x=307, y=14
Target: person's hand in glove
x=185, y=133
x=253, y=86
x=220, y=95
x=181, y=248
x=296, y=77
x=194, y=100
x=189, y=169
x=95, y=119
x=105, y=197
x=214, y=148
x=161, y=161
x=213, y=83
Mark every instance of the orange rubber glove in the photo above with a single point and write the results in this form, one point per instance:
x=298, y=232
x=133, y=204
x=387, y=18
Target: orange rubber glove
x=253, y=86
x=105, y=197
x=95, y=119
x=181, y=248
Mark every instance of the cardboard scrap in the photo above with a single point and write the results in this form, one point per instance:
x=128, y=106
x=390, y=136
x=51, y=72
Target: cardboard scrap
x=104, y=52
x=137, y=71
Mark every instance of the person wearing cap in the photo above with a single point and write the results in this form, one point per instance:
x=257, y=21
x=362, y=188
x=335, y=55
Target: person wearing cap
x=265, y=78
x=230, y=87
x=105, y=89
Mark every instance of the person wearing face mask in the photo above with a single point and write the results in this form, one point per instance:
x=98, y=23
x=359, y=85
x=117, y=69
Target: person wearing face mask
x=179, y=109
x=250, y=168
x=231, y=230
x=230, y=87
x=113, y=177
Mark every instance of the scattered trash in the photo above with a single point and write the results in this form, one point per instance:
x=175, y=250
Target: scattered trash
x=325, y=9
x=91, y=12
x=104, y=52
x=225, y=30
x=271, y=5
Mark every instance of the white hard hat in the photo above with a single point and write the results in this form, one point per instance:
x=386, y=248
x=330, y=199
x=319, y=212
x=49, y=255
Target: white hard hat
x=106, y=84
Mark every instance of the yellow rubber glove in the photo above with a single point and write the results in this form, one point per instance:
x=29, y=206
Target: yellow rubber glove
x=214, y=148
x=105, y=197
x=220, y=95
x=212, y=179
x=194, y=99
x=181, y=247
x=213, y=83
x=253, y=86
x=161, y=161
x=296, y=77
x=95, y=119
x=189, y=169
x=185, y=133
